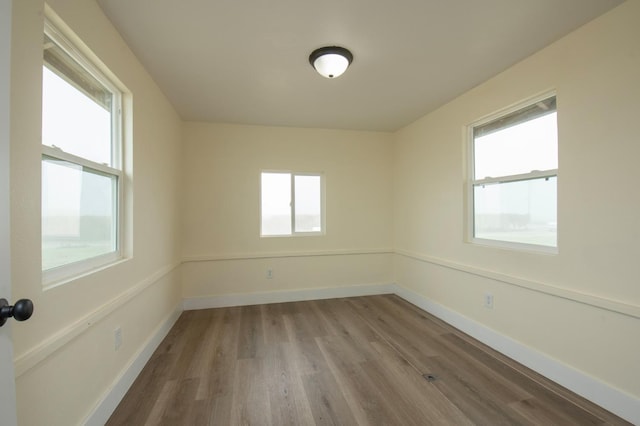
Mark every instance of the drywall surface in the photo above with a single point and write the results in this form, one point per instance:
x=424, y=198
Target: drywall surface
x=223, y=249
x=64, y=355
x=580, y=306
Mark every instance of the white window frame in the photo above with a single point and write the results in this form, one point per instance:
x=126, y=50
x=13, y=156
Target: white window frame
x=64, y=273
x=472, y=182
x=293, y=233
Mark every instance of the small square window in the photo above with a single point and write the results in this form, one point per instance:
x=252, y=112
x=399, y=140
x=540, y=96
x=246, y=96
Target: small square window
x=291, y=204
x=514, y=173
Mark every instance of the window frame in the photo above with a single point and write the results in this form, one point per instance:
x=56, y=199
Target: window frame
x=294, y=233
x=472, y=182
x=60, y=274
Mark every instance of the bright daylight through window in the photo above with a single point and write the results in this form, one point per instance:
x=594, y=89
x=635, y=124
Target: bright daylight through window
x=291, y=204
x=81, y=166
x=514, y=177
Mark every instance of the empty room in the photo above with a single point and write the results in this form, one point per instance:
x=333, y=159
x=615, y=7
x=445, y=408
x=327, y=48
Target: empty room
x=291, y=212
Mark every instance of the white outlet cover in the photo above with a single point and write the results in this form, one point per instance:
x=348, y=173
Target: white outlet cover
x=488, y=300
x=117, y=337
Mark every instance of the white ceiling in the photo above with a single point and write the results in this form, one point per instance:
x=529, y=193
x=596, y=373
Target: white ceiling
x=246, y=61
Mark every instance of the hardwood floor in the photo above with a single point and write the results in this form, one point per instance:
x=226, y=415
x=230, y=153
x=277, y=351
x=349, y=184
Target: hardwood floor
x=357, y=361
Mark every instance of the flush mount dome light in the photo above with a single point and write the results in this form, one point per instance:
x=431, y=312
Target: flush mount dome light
x=330, y=61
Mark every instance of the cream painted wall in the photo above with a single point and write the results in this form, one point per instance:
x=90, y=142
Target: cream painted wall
x=222, y=164
x=209, y=174
x=64, y=355
x=596, y=73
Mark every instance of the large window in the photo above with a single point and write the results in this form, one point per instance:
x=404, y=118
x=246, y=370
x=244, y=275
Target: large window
x=81, y=161
x=291, y=204
x=514, y=172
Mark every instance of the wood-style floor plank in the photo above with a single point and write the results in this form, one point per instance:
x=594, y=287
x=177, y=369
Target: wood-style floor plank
x=417, y=401
x=352, y=361
x=287, y=398
x=326, y=398
x=250, y=404
x=364, y=397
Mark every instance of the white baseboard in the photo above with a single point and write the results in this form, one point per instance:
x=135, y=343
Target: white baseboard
x=610, y=398
x=112, y=397
x=244, y=299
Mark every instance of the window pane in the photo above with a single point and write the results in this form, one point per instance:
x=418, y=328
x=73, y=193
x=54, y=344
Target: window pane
x=78, y=213
x=74, y=122
x=308, y=209
x=518, y=149
x=276, y=204
x=521, y=212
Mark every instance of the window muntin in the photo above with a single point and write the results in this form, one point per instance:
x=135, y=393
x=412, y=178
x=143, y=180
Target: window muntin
x=514, y=177
x=291, y=204
x=81, y=164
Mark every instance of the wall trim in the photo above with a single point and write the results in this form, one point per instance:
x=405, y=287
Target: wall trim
x=44, y=349
x=244, y=299
x=575, y=296
x=275, y=255
x=110, y=399
x=610, y=398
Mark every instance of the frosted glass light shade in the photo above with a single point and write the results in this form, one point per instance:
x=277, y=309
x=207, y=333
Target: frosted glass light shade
x=331, y=65
x=331, y=62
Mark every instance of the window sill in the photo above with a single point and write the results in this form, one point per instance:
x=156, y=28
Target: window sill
x=297, y=234
x=56, y=277
x=512, y=246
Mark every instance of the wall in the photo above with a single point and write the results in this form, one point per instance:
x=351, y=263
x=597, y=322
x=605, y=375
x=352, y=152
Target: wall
x=64, y=355
x=223, y=250
x=580, y=307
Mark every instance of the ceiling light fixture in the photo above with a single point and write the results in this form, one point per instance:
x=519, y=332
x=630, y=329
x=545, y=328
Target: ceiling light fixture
x=330, y=61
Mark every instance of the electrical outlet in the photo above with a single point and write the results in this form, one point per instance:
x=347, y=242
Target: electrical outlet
x=117, y=338
x=269, y=273
x=488, y=300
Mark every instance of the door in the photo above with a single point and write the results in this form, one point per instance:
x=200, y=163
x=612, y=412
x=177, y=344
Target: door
x=7, y=379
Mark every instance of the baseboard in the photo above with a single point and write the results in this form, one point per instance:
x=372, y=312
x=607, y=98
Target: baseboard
x=610, y=398
x=112, y=397
x=244, y=299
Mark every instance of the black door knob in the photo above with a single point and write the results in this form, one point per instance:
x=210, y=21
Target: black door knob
x=21, y=311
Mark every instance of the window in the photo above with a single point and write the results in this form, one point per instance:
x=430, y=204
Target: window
x=292, y=204
x=81, y=162
x=514, y=172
